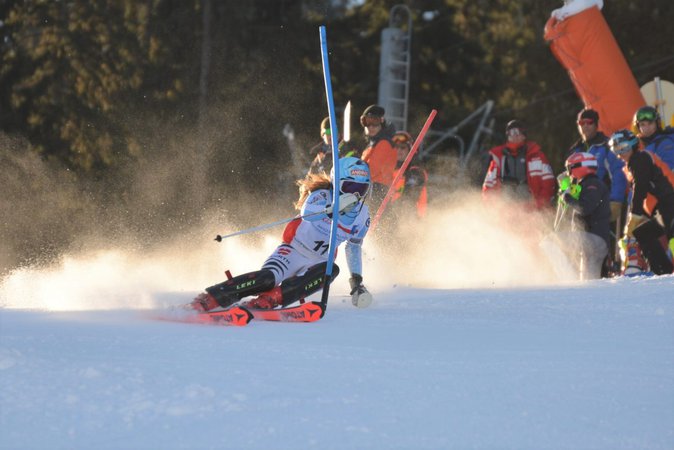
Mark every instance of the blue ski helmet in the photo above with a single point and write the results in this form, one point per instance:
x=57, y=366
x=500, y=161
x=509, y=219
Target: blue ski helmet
x=354, y=176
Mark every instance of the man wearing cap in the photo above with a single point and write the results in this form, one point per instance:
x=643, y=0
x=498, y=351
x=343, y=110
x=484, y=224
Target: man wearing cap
x=609, y=166
x=520, y=170
x=379, y=153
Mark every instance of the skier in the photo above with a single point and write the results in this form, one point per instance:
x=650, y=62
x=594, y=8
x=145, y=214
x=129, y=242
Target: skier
x=588, y=198
x=411, y=186
x=652, y=192
x=520, y=170
x=609, y=166
x=297, y=267
x=379, y=153
x=653, y=137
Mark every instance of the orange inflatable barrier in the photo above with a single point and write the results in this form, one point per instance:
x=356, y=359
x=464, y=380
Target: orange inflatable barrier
x=583, y=43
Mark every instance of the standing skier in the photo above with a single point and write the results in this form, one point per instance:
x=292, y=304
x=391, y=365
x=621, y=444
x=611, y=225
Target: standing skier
x=652, y=192
x=588, y=198
x=296, y=268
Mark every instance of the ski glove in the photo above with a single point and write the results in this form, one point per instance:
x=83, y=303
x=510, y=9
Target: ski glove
x=355, y=282
x=346, y=203
x=360, y=297
x=573, y=192
x=564, y=182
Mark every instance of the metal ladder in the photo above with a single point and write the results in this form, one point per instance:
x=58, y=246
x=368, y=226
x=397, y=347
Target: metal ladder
x=394, y=66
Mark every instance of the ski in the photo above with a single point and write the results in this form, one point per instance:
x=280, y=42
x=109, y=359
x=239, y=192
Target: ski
x=240, y=315
x=306, y=312
x=237, y=316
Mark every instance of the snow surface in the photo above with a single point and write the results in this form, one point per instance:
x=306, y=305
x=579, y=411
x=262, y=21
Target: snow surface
x=497, y=351
x=582, y=366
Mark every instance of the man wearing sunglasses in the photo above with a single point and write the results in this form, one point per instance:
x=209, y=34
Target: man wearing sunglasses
x=609, y=166
x=379, y=153
x=519, y=170
x=652, y=135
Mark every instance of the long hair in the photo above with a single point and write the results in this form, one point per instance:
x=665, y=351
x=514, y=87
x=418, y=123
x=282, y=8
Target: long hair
x=310, y=183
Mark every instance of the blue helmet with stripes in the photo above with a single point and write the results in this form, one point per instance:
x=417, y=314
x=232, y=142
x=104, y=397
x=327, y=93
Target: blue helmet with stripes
x=354, y=176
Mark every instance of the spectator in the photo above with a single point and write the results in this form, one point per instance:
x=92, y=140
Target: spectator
x=379, y=153
x=588, y=198
x=652, y=192
x=653, y=137
x=520, y=171
x=609, y=166
x=322, y=152
x=411, y=187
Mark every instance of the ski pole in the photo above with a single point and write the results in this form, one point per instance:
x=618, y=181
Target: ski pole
x=219, y=237
x=401, y=172
x=559, y=215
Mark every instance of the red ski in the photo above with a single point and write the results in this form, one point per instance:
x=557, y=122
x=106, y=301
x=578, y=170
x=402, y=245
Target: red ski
x=234, y=316
x=306, y=312
x=239, y=316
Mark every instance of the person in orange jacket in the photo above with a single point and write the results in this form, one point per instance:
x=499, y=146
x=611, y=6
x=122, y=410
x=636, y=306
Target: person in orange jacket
x=520, y=170
x=379, y=153
x=411, y=186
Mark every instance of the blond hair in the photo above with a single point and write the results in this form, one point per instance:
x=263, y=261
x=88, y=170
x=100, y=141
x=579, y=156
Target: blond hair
x=310, y=183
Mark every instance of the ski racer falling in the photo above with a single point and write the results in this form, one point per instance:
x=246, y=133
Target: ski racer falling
x=296, y=268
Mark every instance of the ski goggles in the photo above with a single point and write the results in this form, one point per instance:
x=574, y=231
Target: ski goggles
x=646, y=115
x=368, y=121
x=585, y=121
x=354, y=187
x=620, y=148
x=326, y=132
x=400, y=139
x=513, y=132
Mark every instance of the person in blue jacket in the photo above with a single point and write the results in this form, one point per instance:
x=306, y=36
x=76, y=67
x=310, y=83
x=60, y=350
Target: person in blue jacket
x=609, y=167
x=652, y=136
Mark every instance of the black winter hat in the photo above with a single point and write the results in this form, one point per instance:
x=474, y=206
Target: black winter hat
x=374, y=111
x=588, y=113
x=516, y=124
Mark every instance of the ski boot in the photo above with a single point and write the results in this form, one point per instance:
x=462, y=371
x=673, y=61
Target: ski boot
x=633, y=260
x=204, y=302
x=266, y=300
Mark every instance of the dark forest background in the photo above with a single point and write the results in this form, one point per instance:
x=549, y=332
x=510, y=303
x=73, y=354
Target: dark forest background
x=139, y=118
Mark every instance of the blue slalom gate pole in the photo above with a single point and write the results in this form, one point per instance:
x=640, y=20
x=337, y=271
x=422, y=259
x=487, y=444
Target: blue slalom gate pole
x=334, y=134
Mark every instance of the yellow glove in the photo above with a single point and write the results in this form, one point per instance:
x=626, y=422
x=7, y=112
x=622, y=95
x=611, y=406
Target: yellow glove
x=616, y=210
x=633, y=221
x=671, y=245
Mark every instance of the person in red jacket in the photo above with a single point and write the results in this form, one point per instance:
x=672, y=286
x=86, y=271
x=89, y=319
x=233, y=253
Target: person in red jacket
x=520, y=171
x=379, y=153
